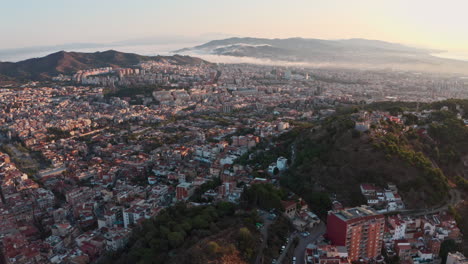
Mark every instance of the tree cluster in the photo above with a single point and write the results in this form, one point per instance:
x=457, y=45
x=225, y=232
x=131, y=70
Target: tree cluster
x=176, y=227
x=264, y=196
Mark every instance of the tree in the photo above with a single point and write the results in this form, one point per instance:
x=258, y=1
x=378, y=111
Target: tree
x=446, y=247
x=410, y=119
x=264, y=196
x=276, y=171
x=175, y=227
x=186, y=225
x=57, y=133
x=199, y=222
x=319, y=202
x=226, y=208
x=244, y=234
x=355, y=133
x=213, y=248
x=246, y=242
x=175, y=239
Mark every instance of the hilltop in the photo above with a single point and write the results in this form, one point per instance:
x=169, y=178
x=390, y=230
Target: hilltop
x=338, y=162
x=425, y=161
x=63, y=62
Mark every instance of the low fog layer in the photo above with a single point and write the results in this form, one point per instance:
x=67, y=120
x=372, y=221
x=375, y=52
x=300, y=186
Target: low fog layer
x=450, y=68
x=351, y=53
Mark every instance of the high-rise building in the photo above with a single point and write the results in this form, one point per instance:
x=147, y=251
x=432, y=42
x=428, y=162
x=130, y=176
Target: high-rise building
x=360, y=229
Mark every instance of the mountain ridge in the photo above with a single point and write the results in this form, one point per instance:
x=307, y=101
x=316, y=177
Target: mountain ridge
x=348, y=53
x=63, y=62
x=279, y=41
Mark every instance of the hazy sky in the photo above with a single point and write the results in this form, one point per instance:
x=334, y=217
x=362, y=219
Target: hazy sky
x=426, y=23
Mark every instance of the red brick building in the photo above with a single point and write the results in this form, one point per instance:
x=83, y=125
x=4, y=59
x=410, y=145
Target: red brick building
x=434, y=246
x=183, y=191
x=360, y=229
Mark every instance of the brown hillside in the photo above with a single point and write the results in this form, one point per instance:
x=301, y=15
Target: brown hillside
x=69, y=62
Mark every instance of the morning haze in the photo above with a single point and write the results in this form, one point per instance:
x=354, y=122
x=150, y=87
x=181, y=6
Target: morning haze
x=430, y=24
x=233, y=132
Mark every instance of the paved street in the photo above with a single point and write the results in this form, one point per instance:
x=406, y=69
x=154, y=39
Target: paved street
x=304, y=241
x=315, y=233
x=283, y=254
x=264, y=232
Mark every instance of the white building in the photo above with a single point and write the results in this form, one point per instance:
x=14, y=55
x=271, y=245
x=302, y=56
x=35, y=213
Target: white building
x=133, y=214
x=456, y=258
x=282, y=163
x=400, y=231
x=229, y=159
x=271, y=168
x=283, y=126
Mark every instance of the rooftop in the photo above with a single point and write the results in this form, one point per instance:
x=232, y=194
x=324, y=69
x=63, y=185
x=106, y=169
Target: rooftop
x=356, y=212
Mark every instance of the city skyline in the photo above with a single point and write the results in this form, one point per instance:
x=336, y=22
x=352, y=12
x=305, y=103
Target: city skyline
x=92, y=158
x=261, y=131
x=428, y=24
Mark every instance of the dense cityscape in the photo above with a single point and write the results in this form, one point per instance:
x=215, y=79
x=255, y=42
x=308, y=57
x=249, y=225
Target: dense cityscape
x=89, y=157
x=234, y=132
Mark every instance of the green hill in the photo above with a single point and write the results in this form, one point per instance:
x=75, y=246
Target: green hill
x=334, y=158
x=203, y=234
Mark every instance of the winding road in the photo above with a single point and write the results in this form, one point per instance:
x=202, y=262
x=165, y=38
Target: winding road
x=456, y=197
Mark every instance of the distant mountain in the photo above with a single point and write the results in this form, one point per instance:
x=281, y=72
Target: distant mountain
x=69, y=62
x=303, y=49
x=348, y=52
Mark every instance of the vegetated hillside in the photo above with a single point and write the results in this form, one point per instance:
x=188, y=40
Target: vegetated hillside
x=334, y=157
x=444, y=135
x=204, y=234
x=337, y=160
x=461, y=214
x=69, y=62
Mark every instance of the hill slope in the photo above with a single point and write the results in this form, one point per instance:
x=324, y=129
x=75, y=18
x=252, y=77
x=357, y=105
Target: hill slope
x=345, y=162
x=215, y=234
x=423, y=162
x=69, y=62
